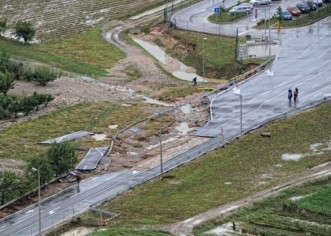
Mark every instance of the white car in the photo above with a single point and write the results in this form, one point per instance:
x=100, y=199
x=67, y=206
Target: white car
x=260, y=2
x=241, y=9
x=318, y=2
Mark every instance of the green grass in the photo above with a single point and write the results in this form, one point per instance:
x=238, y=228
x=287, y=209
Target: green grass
x=88, y=47
x=245, y=163
x=121, y=231
x=319, y=202
x=281, y=216
x=219, y=53
x=86, y=54
x=20, y=141
x=224, y=17
x=34, y=53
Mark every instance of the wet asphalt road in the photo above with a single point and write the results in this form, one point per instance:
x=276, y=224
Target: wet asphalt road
x=195, y=18
x=304, y=62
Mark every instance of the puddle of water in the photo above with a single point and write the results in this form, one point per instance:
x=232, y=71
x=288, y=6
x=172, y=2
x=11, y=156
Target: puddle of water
x=163, y=142
x=183, y=128
x=112, y=126
x=187, y=76
x=292, y=157
x=99, y=137
x=81, y=231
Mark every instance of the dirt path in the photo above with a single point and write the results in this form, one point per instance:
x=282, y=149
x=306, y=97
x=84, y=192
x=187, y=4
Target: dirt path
x=185, y=228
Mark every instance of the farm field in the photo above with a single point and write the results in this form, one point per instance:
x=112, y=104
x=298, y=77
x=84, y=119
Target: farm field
x=57, y=19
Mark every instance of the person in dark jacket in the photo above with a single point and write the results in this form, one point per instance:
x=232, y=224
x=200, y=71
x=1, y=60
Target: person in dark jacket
x=295, y=94
x=289, y=95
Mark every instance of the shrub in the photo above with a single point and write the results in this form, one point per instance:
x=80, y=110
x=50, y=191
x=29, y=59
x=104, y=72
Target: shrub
x=24, y=30
x=40, y=75
x=7, y=81
x=43, y=75
x=3, y=26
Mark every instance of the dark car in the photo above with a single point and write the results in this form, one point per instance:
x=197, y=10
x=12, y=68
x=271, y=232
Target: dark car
x=303, y=8
x=310, y=4
x=286, y=15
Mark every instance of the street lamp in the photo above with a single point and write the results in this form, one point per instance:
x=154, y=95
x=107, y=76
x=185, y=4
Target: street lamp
x=203, y=63
x=236, y=91
x=38, y=173
x=161, y=161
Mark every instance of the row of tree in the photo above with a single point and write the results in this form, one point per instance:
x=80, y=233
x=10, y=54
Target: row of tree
x=11, y=70
x=58, y=160
x=23, y=29
x=10, y=106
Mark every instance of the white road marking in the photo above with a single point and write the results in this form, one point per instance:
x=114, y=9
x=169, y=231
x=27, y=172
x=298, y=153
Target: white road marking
x=312, y=68
x=325, y=62
x=324, y=53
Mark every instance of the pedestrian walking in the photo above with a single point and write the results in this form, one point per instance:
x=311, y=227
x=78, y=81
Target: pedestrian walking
x=289, y=95
x=295, y=94
x=194, y=81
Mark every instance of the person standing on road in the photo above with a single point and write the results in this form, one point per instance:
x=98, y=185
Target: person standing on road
x=295, y=94
x=289, y=95
x=194, y=80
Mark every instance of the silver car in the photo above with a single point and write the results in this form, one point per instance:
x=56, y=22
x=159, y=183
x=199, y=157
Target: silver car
x=241, y=9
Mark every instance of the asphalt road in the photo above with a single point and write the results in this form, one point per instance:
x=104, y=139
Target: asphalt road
x=195, y=18
x=304, y=62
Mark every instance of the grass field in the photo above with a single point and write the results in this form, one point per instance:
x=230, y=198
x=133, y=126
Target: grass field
x=86, y=54
x=282, y=215
x=219, y=53
x=249, y=165
x=93, y=117
x=129, y=232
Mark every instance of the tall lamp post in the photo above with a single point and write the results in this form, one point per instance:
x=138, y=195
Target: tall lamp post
x=161, y=157
x=203, y=63
x=39, y=212
x=236, y=91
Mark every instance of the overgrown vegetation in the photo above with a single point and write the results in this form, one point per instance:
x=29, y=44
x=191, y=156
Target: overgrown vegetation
x=297, y=211
x=219, y=53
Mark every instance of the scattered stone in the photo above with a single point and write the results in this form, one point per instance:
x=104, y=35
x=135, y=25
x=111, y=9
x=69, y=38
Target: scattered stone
x=266, y=135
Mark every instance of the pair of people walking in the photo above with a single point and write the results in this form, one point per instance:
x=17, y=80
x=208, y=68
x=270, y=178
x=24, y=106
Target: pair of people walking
x=294, y=94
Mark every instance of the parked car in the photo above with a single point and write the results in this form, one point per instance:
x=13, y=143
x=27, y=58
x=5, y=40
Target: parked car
x=303, y=8
x=260, y=2
x=294, y=11
x=286, y=15
x=310, y=4
x=245, y=4
x=318, y=2
x=241, y=9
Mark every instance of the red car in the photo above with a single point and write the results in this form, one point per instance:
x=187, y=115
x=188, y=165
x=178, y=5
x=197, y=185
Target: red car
x=294, y=11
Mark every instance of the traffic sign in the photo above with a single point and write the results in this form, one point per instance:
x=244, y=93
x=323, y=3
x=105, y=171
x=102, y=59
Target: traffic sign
x=217, y=10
